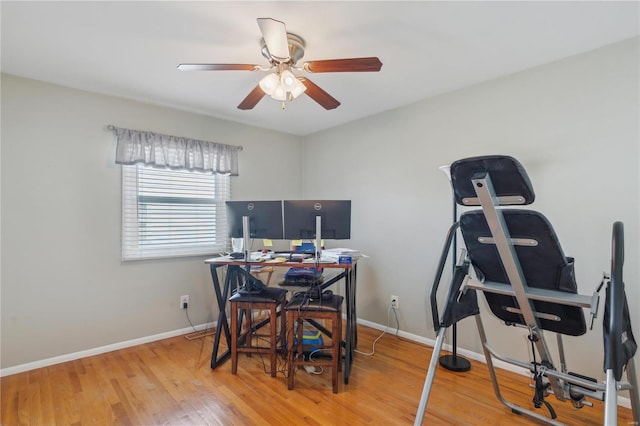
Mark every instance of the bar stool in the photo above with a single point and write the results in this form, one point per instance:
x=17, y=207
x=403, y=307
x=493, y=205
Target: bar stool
x=302, y=308
x=270, y=299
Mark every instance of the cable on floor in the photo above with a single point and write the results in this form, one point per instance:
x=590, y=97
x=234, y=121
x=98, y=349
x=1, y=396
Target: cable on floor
x=373, y=346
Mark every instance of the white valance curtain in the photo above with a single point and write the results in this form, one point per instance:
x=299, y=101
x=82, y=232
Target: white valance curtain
x=155, y=149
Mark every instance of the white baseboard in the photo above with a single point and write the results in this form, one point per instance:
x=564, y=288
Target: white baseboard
x=622, y=401
x=99, y=350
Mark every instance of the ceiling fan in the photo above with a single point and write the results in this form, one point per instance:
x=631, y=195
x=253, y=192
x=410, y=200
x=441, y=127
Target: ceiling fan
x=283, y=50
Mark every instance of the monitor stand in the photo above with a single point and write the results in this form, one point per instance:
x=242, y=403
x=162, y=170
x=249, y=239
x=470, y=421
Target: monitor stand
x=318, y=250
x=251, y=284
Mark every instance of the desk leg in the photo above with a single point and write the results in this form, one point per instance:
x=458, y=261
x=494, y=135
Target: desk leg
x=222, y=295
x=354, y=316
x=351, y=332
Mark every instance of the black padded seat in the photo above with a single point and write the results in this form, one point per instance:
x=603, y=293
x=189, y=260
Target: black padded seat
x=268, y=294
x=302, y=301
x=544, y=266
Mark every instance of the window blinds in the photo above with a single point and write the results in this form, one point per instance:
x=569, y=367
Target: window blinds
x=168, y=213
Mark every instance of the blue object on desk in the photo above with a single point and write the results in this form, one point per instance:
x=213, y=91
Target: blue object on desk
x=305, y=248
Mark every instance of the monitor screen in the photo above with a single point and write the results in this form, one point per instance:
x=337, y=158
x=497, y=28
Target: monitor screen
x=300, y=219
x=265, y=219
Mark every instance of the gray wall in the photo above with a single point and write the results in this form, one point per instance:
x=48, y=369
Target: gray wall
x=572, y=124
x=64, y=287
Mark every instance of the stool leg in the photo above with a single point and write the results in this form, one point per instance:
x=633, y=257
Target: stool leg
x=340, y=345
x=291, y=321
x=336, y=337
x=234, y=338
x=283, y=328
x=248, y=315
x=273, y=320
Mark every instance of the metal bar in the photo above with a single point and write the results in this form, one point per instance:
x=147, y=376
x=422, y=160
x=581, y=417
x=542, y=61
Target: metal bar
x=489, y=353
x=348, y=349
x=576, y=380
x=543, y=295
x=246, y=236
x=528, y=242
x=611, y=400
x=223, y=324
x=488, y=200
x=634, y=392
x=502, y=201
x=563, y=360
x=435, y=315
x=318, y=251
x=353, y=283
x=431, y=374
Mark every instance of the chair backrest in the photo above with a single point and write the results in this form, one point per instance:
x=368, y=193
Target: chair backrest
x=543, y=265
x=510, y=180
x=535, y=244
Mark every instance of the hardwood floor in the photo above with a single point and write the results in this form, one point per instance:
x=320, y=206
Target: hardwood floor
x=170, y=382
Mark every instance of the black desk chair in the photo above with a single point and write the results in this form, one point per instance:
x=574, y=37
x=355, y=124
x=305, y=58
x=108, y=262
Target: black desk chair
x=516, y=260
x=301, y=308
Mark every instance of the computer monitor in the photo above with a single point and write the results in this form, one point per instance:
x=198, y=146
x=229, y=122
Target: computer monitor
x=265, y=219
x=300, y=219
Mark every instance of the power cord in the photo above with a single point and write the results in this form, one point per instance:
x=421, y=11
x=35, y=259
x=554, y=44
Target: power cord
x=310, y=368
x=186, y=312
x=373, y=346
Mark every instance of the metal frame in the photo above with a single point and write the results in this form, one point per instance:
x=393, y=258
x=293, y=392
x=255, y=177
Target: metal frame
x=562, y=384
x=235, y=271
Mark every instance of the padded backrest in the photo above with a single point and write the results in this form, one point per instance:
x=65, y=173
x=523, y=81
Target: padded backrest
x=507, y=174
x=543, y=265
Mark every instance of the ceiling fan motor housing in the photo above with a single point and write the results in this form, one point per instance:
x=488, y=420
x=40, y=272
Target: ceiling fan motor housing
x=296, y=50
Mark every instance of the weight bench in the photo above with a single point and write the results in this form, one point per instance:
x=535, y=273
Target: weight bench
x=515, y=259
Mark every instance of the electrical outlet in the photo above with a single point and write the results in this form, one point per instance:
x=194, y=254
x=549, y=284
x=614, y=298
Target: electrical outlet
x=394, y=301
x=184, y=301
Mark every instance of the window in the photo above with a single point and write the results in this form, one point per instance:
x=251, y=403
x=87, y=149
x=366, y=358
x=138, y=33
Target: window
x=171, y=213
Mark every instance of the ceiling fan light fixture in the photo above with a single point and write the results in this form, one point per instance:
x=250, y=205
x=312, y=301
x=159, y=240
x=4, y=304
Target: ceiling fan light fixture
x=297, y=89
x=287, y=80
x=279, y=94
x=269, y=83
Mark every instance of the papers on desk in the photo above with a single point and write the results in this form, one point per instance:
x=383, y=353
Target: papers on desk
x=343, y=252
x=277, y=260
x=332, y=255
x=328, y=256
x=323, y=259
x=255, y=257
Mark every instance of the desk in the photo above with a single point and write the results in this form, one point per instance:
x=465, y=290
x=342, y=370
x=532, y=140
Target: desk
x=233, y=279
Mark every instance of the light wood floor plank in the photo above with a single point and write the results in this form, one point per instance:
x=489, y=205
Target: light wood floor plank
x=169, y=382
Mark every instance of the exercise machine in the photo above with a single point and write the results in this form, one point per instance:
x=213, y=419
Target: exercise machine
x=513, y=257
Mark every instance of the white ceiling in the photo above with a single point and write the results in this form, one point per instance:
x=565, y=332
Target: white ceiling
x=131, y=49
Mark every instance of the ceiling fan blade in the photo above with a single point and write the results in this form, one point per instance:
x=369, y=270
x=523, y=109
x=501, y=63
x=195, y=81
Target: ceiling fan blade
x=275, y=37
x=370, y=64
x=317, y=94
x=252, y=98
x=218, y=67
